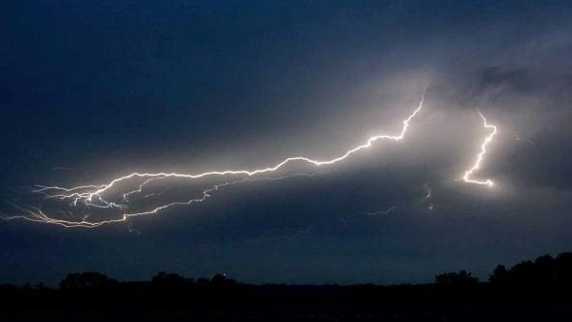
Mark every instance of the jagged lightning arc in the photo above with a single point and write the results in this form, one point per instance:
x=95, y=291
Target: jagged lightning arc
x=468, y=176
x=92, y=196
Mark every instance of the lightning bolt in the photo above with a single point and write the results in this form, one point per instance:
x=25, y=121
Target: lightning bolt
x=468, y=176
x=38, y=215
x=92, y=196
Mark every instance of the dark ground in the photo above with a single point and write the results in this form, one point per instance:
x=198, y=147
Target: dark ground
x=288, y=303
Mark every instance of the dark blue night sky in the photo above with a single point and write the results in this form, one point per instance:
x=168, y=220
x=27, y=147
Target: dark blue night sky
x=92, y=90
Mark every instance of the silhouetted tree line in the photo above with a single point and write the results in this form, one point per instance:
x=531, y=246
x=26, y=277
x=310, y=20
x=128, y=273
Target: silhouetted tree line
x=88, y=280
x=462, y=278
x=98, y=281
x=171, y=297
x=543, y=271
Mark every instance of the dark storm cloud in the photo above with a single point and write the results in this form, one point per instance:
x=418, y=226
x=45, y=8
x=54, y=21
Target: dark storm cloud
x=544, y=160
x=518, y=79
x=6, y=95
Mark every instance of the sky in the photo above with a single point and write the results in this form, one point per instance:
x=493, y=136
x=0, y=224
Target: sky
x=91, y=91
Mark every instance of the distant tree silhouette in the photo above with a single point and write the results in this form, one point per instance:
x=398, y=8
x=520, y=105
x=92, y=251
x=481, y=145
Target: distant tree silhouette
x=169, y=280
x=220, y=280
x=462, y=278
x=87, y=280
x=563, y=269
x=500, y=275
x=544, y=271
x=523, y=273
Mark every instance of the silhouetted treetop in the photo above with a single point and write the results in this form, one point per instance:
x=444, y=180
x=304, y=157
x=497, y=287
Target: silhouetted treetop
x=544, y=270
x=87, y=280
x=462, y=278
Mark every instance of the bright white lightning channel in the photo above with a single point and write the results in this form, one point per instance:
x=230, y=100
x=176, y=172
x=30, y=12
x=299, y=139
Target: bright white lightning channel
x=468, y=176
x=91, y=196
